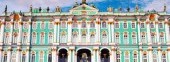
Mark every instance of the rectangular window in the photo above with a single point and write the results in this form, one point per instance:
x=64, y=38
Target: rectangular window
x=162, y=39
x=133, y=25
x=7, y=25
x=144, y=58
x=41, y=57
x=160, y=25
x=25, y=25
x=75, y=24
x=16, y=25
x=142, y=25
x=116, y=25
x=117, y=38
x=49, y=58
x=127, y=59
x=151, y=25
x=51, y=25
x=153, y=39
x=154, y=57
x=13, y=59
x=125, y=25
x=134, y=39
x=33, y=58
x=23, y=58
x=118, y=57
x=92, y=25
x=42, y=25
x=83, y=24
x=5, y=58
x=164, y=58
x=135, y=57
x=126, y=39
x=42, y=39
x=34, y=25
x=50, y=37
x=34, y=37
x=143, y=38
x=103, y=24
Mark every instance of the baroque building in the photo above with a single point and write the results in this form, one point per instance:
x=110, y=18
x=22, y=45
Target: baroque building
x=84, y=34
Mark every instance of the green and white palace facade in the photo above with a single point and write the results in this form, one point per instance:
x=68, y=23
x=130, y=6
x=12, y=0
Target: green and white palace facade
x=85, y=34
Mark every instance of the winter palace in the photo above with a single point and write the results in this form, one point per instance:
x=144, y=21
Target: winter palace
x=85, y=34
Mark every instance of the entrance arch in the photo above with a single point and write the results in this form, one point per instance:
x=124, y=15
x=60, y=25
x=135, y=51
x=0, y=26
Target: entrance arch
x=63, y=56
x=83, y=55
x=105, y=55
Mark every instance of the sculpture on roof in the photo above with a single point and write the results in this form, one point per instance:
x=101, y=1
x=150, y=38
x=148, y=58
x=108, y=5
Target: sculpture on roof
x=58, y=9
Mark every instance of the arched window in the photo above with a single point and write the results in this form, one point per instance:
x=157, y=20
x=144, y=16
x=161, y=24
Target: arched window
x=42, y=39
x=144, y=57
x=92, y=37
x=125, y=25
x=25, y=38
x=155, y=56
x=49, y=57
x=83, y=24
x=127, y=58
x=25, y=25
x=153, y=39
x=104, y=24
x=74, y=36
x=50, y=26
x=117, y=38
x=126, y=38
x=134, y=38
x=23, y=57
x=118, y=56
x=75, y=24
x=41, y=59
x=117, y=25
x=151, y=25
x=7, y=25
x=5, y=57
x=33, y=57
x=135, y=57
x=104, y=37
x=15, y=37
x=13, y=59
x=6, y=38
x=63, y=38
x=34, y=37
x=16, y=25
x=164, y=57
x=34, y=25
x=143, y=38
x=50, y=37
x=161, y=38
x=42, y=25
x=63, y=24
x=92, y=24
x=83, y=36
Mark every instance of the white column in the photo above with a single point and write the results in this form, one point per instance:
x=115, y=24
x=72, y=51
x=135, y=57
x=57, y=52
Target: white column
x=93, y=55
x=98, y=55
x=18, y=55
x=167, y=31
x=20, y=33
x=109, y=32
x=2, y=31
x=148, y=31
x=157, y=32
x=29, y=32
x=113, y=34
x=75, y=56
x=27, y=55
x=55, y=32
x=138, y=25
x=9, y=55
x=88, y=32
x=69, y=56
x=168, y=54
x=54, y=55
x=1, y=55
x=58, y=32
x=11, y=32
x=113, y=55
x=69, y=29
x=79, y=31
x=140, y=55
x=159, y=55
x=150, y=55
x=97, y=30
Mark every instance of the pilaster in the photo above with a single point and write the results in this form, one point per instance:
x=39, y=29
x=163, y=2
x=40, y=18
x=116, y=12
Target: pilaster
x=2, y=22
x=113, y=54
x=69, y=29
x=27, y=54
x=167, y=31
x=20, y=23
x=56, y=30
x=138, y=25
x=71, y=54
x=9, y=54
x=97, y=30
x=29, y=31
x=159, y=54
x=1, y=55
x=148, y=31
x=150, y=55
x=18, y=55
x=11, y=32
x=54, y=55
x=168, y=54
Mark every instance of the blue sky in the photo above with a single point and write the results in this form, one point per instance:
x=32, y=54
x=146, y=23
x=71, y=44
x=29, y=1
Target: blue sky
x=23, y=5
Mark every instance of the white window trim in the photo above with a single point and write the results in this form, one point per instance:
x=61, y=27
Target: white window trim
x=135, y=38
x=44, y=25
x=34, y=22
x=34, y=56
x=49, y=37
x=118, y=37
x=162, y=25
x=153, y=25
x=127, y=38
x=136, y=55
x=118, y=25
x=41, y=57
x=34, y=42
x=42, y=42
x=126, y=23
x=120, y=56
x=50, y=25
x=125, y=56
x=143, y=26
x=132, y=25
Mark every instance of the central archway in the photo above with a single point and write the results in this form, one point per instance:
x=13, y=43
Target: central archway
x=83, y=55
x=105, y=56
x=62, y=55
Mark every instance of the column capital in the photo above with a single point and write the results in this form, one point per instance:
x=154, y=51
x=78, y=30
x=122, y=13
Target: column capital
x=9, y=49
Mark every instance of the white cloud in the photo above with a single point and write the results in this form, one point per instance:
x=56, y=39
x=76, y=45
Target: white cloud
x=157, y=5
x=24, y=5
